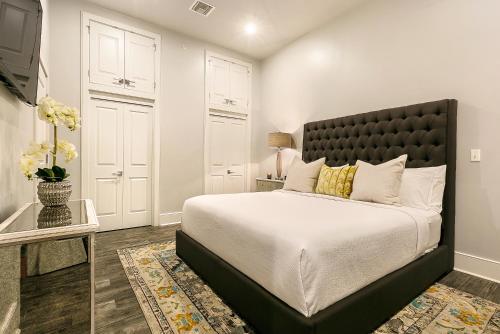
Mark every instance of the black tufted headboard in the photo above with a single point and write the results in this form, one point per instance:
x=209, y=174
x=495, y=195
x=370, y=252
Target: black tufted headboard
x=426, y=132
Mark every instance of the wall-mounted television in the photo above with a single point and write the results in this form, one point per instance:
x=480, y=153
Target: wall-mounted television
x=20, y=35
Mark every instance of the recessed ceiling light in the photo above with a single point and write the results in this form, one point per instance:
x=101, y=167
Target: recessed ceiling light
x=250, y=28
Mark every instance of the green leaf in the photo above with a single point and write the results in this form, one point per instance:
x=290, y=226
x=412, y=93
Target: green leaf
x=48, y=175
x=44, y=172
x=41, y=173
x=59, y=172
x=54, y=174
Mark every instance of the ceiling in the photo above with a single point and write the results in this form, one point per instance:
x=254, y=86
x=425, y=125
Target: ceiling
x=278, y=22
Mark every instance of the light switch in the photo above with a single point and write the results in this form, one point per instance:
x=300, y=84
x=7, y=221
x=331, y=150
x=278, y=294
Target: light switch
x=475, y=155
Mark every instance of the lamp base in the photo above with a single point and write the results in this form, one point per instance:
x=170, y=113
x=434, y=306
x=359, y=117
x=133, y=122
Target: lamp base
x=278, y=164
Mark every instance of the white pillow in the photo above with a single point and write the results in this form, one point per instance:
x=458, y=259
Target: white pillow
x=378, y=183
x=423, y=188
x=303, y=177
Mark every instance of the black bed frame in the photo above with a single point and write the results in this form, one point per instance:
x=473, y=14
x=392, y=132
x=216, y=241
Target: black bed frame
x=427, y=133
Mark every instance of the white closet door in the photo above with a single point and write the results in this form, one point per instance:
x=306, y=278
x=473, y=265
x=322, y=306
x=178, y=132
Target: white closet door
x=227, y=151
x=137, y=161
x=106, y=162
x=139, y=63
x=239, y=88
x=219, y=84
x=217, y=154
x=107, y=60
x=235, y=156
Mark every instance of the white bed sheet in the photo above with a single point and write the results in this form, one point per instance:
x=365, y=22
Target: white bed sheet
x=309, y=250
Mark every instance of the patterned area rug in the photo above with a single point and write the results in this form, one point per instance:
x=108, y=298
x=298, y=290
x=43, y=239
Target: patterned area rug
x=175, y=300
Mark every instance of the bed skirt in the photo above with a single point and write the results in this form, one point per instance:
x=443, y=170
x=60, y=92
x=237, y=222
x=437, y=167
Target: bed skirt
x=375, y=303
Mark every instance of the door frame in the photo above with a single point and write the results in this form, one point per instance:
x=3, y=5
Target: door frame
x=88, y=92
x=208, y=112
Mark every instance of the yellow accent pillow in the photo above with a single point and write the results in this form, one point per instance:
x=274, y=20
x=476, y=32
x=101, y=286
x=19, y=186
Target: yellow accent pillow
x=336, y=181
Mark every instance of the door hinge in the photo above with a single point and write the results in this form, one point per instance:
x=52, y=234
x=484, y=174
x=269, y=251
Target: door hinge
x=88, y=72
x=88, y=28
x=154, y=46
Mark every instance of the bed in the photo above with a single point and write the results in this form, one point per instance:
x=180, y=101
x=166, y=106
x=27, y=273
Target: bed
x=276, y=261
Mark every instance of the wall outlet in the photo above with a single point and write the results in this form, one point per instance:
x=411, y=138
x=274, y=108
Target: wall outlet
x=475, y=155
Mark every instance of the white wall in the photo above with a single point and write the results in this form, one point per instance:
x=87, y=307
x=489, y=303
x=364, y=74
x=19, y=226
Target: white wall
x=394, y=53
x=16, y=132
x=182, y=98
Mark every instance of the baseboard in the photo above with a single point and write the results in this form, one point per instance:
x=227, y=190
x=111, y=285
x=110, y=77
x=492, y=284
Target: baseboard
x=477, y=266
x=169, y=218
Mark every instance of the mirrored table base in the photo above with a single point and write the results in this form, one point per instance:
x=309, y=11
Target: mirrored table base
x=47, y=269
x=47, y=286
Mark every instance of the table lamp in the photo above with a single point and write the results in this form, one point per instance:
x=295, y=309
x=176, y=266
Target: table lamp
x=279, y=140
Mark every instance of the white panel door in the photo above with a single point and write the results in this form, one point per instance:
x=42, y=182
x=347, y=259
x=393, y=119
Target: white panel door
x=106, y=163
x=140, y=54
x=107, y=55
x=216, y=155
x=239, y=84
x=219, y=82
x=227, y=152
x=235, y=156
x=137, y=162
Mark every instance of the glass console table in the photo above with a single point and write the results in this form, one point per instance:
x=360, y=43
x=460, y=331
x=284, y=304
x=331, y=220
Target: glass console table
x=47, y=269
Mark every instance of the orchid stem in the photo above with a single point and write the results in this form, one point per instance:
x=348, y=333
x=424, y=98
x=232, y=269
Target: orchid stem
x=54, y=153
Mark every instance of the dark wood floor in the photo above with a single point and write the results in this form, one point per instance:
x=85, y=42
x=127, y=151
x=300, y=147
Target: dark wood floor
x=117, y=309
x=56, y=301
x=473, y=285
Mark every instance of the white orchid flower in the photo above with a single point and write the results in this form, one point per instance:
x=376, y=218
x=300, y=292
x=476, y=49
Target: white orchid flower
x=38, y=151
x=68, y=149
x=47, y=107
x=28, y=165
x=53, y=112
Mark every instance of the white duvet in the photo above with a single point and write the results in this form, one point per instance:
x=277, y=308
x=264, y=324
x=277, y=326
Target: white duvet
x=309, y=250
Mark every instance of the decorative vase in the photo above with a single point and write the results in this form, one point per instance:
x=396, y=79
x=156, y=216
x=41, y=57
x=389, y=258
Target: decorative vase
x=54, y=216
x=54, y=193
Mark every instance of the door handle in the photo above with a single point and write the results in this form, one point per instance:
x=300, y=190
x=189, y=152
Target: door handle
x=230, y=171
x=117, y=81
x=118, y=173
x=227, y=101
x=232, y=102
x=130, y=83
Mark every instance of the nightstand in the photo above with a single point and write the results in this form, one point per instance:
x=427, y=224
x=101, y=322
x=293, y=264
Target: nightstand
x=264, y=184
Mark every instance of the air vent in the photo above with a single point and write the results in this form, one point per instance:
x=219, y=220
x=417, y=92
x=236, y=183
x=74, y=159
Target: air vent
x=202, y=8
